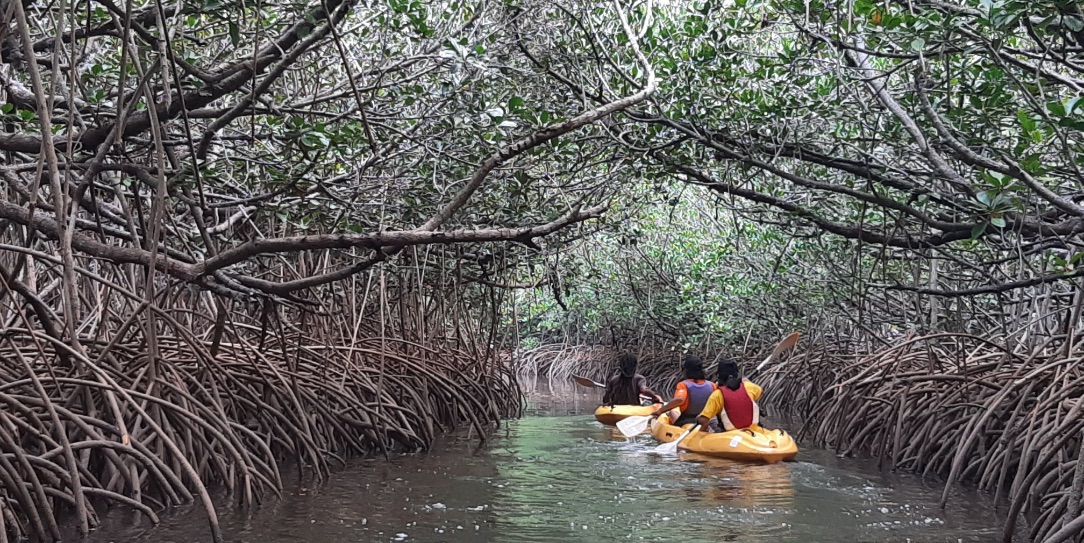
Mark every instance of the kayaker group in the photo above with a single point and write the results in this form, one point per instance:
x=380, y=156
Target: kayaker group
x=728, y=404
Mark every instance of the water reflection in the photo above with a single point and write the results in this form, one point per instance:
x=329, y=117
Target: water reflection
x=738, y=484
x=558, y=476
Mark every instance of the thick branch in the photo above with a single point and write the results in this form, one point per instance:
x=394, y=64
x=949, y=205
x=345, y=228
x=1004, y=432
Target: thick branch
x=380, y=240
x=990, y=289
x=844, y=230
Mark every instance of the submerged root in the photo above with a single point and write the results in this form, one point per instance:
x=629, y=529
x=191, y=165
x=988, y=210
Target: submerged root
x=112, y=426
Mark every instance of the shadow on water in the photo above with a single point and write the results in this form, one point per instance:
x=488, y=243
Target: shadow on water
x=557, y=475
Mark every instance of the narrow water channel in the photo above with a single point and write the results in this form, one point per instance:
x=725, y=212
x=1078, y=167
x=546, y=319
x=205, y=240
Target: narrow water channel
x=557, y=475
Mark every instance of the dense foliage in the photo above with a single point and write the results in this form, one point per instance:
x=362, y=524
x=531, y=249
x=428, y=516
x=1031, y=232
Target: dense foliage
x=909, y=165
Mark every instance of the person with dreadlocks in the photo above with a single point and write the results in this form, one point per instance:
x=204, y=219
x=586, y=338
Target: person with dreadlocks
x=734, y=401
x=626, y=387
x=691, y=394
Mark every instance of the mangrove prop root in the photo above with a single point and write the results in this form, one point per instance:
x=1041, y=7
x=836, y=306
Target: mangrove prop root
x=190, y=421
x=963, y=408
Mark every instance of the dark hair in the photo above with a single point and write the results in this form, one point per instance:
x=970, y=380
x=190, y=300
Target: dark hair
x=693, y=367
x=626, y=364
x=729, y=376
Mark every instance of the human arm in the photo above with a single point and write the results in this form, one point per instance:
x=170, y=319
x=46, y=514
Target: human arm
x=676, y=402
x=645, y=391
x=703, y=422
x=712, y=408
x=753, y=390
x=680, y=393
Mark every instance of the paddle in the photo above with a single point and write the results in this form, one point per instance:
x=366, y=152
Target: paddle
x=587, y=382
x=634, y=425
x=590, y=383
x=671, y=448
x=787, y=343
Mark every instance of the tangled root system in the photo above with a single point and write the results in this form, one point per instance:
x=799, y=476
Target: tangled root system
x=82, y=428
x=960, y=407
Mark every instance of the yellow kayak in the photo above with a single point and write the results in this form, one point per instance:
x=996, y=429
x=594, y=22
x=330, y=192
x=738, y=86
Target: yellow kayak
x=754, y=444
x=612, y=414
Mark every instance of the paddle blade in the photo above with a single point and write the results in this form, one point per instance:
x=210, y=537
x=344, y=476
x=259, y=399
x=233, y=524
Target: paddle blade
x=788, y=343
x=672, y=447
x=667, y=448
x=632, y=426
x=587, y=382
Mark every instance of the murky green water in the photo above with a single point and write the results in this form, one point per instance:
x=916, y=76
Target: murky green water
x=557, y=475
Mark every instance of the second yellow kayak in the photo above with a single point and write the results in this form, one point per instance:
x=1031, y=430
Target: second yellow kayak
x=612, y=414
x=754, y=444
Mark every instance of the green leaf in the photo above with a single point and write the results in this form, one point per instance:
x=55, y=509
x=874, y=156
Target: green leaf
x=1074, y=24
x=1056, y=108
x=978, y=230
x=998, y=222
x=235, y=33
x=918, y=44
x=7, y=108
x=1072, y=103
x=515, y=104
x=1025, y=120
x=1031, y=164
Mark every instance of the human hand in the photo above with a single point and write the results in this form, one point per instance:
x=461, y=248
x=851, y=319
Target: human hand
x=704, y=422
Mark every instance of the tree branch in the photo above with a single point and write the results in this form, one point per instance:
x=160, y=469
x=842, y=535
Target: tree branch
x=196, y=272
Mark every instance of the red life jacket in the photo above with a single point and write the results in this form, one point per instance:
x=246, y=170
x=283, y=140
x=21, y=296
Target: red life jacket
x=739, y=410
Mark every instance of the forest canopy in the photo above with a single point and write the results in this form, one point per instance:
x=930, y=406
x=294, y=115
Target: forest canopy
x=936, y=143
x=901, y=165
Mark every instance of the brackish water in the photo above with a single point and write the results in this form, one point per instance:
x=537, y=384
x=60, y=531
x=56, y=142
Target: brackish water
x=557, y=475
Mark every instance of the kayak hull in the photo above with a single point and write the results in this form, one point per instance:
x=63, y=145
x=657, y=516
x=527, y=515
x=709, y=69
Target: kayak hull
x=611, y=415
x=754, y=444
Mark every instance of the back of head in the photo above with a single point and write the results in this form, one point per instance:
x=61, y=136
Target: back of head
x=729, y=375
x=626, y=364
x=693, y=367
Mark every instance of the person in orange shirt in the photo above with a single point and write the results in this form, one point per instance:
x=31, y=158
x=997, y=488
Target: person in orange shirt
x=690, y=395
x=734, y=401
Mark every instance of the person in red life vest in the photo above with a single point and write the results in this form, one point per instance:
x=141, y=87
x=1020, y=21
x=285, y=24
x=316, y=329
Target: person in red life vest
x=734, y=401
x=626, y=387
x=690, y=395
